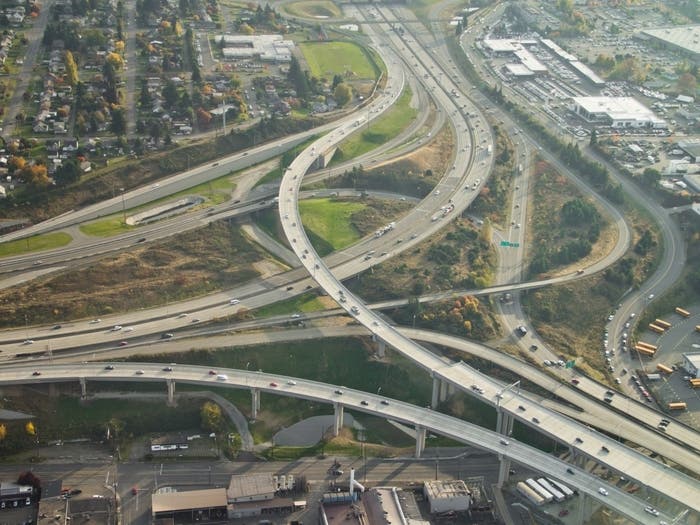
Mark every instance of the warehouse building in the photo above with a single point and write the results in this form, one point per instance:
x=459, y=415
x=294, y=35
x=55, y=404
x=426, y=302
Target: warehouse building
x=267, y=48
x=253, y=495
x=190, y=506
x=447, y=496
x=685, y=39
x=616, y=112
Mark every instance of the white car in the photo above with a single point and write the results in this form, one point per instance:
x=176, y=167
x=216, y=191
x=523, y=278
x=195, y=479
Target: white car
x=602, y=491
x=651, y=510
x=116, y=328
x=234, y=301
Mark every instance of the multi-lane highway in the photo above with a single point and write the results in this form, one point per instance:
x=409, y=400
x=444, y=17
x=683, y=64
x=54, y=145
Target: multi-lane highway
x=456, y=429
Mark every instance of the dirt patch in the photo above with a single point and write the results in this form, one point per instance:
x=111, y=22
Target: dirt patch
x=188, y=265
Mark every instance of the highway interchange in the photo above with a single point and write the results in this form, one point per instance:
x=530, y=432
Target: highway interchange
x=469, y=164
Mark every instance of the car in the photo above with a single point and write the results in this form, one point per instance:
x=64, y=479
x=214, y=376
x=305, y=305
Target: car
x=183, y=314
x=650, y=296
x=605, y=449
x=578, y=440
x=633, y=315
x=212, y=372
x=603, y=492
x=384, y=402
x=364, y=403
x=234, y=301
x=36, y=373
x=570, y=471
x=505, y=442
x=123, y=343
x=128, y=328
x=221, y=377
x=167, y=369
x=28, y=342
x=651, y=510
x=196, y=320
x=339, y=391
x=290, y=288
x=56, y=327
x=273, y=384
x=533, y=347
x=109, y=367
x=337, y=472
x=627, y=324
x=521, y=407
x=95, y=321
x=291, y=382
x=611, y=317
x=142, y=239
x=535, y=420
x=167, y=335
x=522, y=330
x=575, y=381
x=116, y=328
x=296, y=316
x=139, y=372
x=563, y=512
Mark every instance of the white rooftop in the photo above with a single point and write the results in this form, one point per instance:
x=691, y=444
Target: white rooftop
x=446, y=489
x=616, y=107
x=684, y=37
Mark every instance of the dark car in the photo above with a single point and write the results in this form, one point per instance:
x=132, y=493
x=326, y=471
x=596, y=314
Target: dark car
x=167, y=369
x=212, y=372
x=364, y=403
x=385, y=402
x=167, y=335
x=36, y=373
x=109, y=367
x=56, y=327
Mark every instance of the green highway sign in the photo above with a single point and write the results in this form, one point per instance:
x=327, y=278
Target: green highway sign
x=509, y=244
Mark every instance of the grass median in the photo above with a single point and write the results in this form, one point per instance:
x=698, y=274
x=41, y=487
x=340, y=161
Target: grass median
x=36, y=243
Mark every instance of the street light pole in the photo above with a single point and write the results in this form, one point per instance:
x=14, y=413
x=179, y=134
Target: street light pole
x=123, y=205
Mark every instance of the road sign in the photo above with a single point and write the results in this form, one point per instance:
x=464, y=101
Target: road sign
x=505, y=243
x=570, y=364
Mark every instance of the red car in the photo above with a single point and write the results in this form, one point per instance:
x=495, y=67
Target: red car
x=563, y=512
x=123, y=343
x=575, y=381
x=273, y=384
x=212, y=372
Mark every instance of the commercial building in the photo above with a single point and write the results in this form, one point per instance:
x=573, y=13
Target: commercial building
x=252, y=495
x=616, y=112
x=191, y=505
x=685, y=39
x=691, y=363
x=691, y=148
x=447, y=496
x=267, y=48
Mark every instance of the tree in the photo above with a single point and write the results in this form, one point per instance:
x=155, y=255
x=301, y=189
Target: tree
x=298, y=78
x=170, y=94
x=30, y=429
x=594, y=138
x=211, y=417
x=651, y=177
x=68, y=172
x=342, y=94
x=71, y=69
x=35, y=175
x=3, y=432
x=29, y=478
x=118, y=121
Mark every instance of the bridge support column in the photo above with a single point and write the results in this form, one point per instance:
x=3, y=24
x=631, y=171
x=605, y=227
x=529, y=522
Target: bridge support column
x=381, y=349
x=435, y=398
x=583, y=503
x=338, y=418
x=444, y=387
x=503, y=470
x=83, y=387
x=171, y=391
x=255, y=402
x=420, y=440
x=504, y=423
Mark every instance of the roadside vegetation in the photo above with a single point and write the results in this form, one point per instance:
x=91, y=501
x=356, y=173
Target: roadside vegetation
x=379, y=131
x=187, y=265
x=36, y=243
x=312, y=9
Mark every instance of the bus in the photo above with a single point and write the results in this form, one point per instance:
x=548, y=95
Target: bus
x=647, y=345
x=558, y=496
x=682, y=311
x=530, y=494
x=663, y=324
x=545, y=494
x=695, y=382
x=663, y=368
x=680, y=405
x=568, y=493
x=656, y=328
x=644, y=351
x=697, y=327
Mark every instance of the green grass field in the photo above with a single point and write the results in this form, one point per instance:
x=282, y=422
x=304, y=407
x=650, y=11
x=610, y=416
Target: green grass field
x=313, y=9
x=380, y=131
x=307, y=302
x=326, y=59
x=330, y=220
x=36, y=243
x=215, y=192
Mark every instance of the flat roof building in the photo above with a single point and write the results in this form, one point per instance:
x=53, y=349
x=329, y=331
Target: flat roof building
x=267, y=48
x=518, y=70
x=691, y=363
x=691, y=148
x=616, y=112
x=191, y=505
x=685, y=39
x=447, y=496
x=251, y=487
